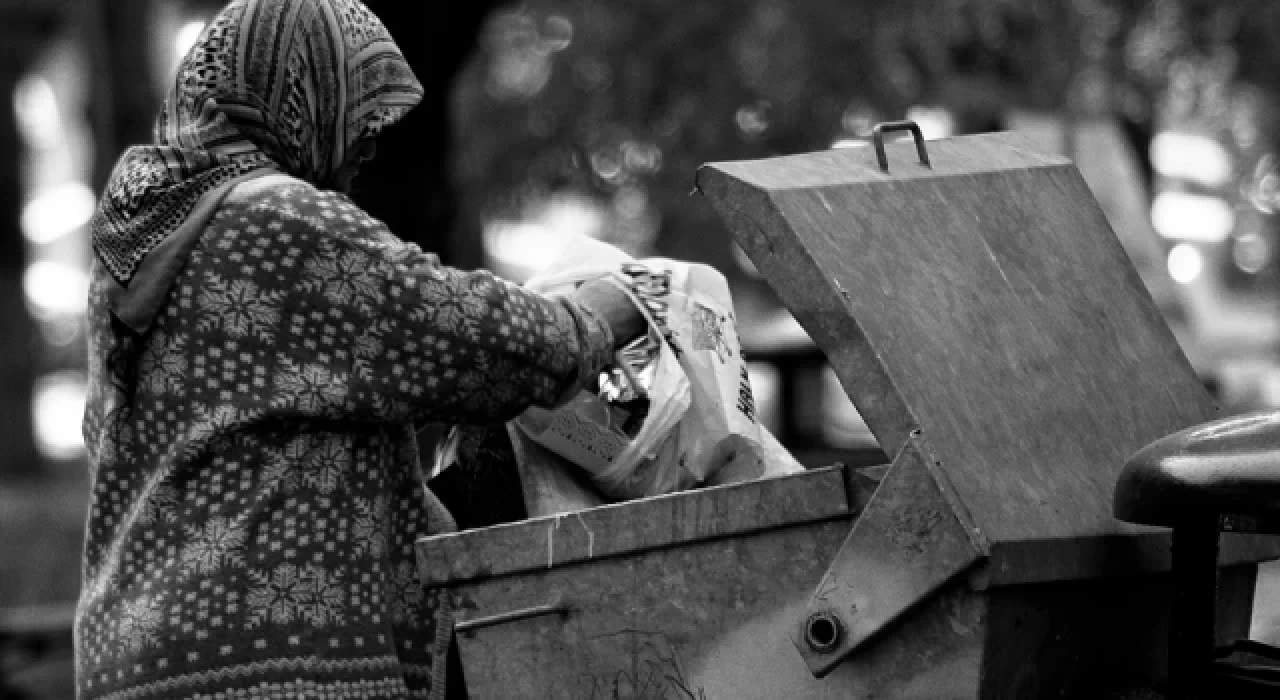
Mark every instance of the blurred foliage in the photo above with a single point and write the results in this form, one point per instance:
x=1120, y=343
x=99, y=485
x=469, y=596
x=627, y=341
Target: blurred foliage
x=624, y=100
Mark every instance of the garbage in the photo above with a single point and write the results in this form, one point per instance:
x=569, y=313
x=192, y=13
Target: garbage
x=675, y=412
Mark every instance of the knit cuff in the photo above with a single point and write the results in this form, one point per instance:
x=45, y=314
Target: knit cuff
x=595, y=348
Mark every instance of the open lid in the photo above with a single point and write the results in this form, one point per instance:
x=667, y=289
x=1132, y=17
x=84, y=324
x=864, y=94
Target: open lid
x=982, y=300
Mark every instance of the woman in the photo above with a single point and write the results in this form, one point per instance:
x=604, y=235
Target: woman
x=261, y=351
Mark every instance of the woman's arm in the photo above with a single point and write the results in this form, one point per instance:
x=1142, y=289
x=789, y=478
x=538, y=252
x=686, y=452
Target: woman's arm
x=409, y=339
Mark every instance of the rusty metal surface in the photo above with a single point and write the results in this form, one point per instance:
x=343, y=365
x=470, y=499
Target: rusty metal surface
x=984, y=301
x=906, y=544
x=736, y=509
x=709, y=620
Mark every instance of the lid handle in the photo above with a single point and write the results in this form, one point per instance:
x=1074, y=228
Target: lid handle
x=877, y=137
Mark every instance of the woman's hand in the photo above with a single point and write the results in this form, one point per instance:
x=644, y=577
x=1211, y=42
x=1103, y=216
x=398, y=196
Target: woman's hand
x=614, y=306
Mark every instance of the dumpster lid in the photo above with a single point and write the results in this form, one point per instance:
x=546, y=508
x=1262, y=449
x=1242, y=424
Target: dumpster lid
x=981, y=299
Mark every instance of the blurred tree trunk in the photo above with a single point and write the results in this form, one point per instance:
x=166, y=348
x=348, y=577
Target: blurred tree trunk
x=17, y=448
x=124, y=96
x=408, y=186
x=21, y=35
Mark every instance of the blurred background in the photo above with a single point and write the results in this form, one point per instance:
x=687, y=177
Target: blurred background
x=555, y=118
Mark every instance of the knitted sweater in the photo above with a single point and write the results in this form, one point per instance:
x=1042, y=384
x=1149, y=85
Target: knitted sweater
x=256, y=483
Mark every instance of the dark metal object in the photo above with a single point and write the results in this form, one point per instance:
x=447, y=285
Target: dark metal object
x=1224, y=466
x=1102, y=638
x=556, y=608
x=1222, y=475
x=1195, y=586
x=877, y=138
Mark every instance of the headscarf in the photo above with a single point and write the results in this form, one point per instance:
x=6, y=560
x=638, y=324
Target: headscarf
x=289, y=85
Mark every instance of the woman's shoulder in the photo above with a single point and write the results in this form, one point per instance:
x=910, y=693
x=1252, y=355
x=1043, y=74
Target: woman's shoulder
x=282, y=202
x=267, y=186
x=284, y=195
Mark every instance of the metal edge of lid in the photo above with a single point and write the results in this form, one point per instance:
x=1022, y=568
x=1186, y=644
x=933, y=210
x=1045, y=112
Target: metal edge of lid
x=635, y=526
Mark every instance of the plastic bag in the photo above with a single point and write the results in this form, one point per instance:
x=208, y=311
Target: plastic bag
x=620, y=464
x=589, y=431
x=720, y=428
x=702, y=428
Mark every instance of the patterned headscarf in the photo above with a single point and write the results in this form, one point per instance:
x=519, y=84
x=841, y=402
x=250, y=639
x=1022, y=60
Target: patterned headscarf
x=284, y=84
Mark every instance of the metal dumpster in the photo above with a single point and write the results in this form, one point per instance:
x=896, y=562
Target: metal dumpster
x=989, y=327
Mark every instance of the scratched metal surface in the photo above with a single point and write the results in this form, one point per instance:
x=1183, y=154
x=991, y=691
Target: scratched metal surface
x=709, y=620
x=906, y=544
x=712, y=621
x=985, y=302
x=720, y=511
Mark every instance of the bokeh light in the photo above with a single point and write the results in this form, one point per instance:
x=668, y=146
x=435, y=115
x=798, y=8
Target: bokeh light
x=1186, y=262
x=185, y=38
x=1191, y=157
x=1183, y=216
x=35, y=104
x=55, y=289
x=1251, y=252
x=57, y=413
x=57, y=211
x=521, y=248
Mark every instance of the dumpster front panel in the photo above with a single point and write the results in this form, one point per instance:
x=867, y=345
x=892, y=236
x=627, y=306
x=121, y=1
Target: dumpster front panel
x=708, y=620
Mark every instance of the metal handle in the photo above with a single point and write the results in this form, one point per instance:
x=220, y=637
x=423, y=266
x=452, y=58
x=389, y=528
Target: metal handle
x=554, y=608
x=877, y=137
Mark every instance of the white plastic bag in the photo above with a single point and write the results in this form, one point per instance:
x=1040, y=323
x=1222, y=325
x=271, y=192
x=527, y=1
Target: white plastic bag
x=622, y=467
x=702, y=428
x=583, y=432
x=720, y=427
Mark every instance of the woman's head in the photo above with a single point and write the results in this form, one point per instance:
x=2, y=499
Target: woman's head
x=307, y=83
x=299, y=85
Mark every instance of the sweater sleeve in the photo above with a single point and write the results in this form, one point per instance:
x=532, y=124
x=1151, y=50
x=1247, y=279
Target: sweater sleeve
x=393, y=335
